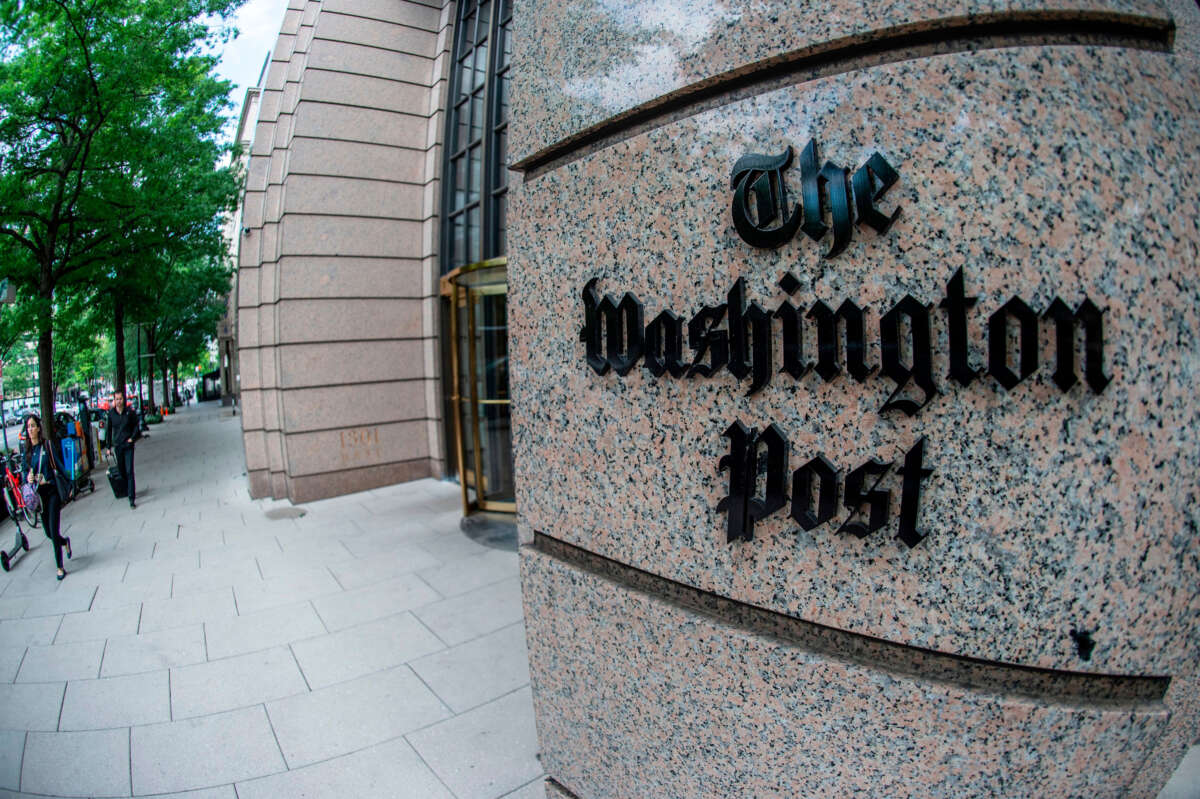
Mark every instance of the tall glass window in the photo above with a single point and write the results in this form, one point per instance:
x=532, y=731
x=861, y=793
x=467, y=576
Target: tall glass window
x=474, y=240
x=476, y=153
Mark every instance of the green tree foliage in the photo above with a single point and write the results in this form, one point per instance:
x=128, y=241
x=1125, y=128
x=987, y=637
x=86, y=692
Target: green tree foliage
x=109, y=150
x=179, y=321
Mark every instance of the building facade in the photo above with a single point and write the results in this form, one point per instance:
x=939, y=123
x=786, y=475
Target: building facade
x=851, y=358
x=338, y=268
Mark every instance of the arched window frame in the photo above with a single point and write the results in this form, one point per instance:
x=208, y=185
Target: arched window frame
x=475, y=151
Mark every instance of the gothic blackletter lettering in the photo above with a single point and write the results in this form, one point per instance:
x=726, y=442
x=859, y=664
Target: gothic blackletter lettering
x=818, y=473
x=1066, y=323
x=913, y=473
x=1027, y=318
x=957, y=304
x=921, y=371
x=865, y=193
x=856, y=497
x=707, y=341
x=760, y=177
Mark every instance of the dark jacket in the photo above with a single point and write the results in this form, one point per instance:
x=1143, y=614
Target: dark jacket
x=121, y=428
x=37, y=460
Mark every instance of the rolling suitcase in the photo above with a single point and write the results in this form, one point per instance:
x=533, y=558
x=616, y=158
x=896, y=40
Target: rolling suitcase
x=120, y=490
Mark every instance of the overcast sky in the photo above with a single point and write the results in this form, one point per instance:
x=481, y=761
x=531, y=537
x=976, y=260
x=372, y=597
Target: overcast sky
x=242, y=60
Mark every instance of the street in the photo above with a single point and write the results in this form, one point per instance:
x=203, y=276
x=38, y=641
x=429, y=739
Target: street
x=209, y=641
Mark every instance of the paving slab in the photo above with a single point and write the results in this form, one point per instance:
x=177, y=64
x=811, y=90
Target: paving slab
x=26, y=584
x=140, y=570
x=486, y=752
x=478, y=671
x=208, y=579
x=392, y=769
x=14, y=607
x=475, y=571
x=12, y=747
x=10, y=662
x=349, y=608
x=132, y=592
x=262, y=630
x=78, y=661
x=284, y=590
x=234, y=682
x=204, y=752
x=1185, y=782
x=28, y=632
x=224, y=792
x=475, y=613
x=92, y=763
x=161, y=614
x=72, y=597
x=534, y=790
x=364, y=649
x=97, y=625
x=116, y=702
x=352, y=715
x=132, y=654
x=366, y=570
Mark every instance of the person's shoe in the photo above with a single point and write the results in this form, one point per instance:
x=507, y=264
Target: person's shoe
x=132, y=504
x=68, y=549
x=61, y=573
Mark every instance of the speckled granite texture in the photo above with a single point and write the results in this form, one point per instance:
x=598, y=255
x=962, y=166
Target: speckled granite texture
x=1063, y=510
x=1063, y=171
x=610, y=56
x=705, y=710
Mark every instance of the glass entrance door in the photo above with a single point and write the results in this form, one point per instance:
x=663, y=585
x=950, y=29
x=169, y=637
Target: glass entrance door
x=478, y=296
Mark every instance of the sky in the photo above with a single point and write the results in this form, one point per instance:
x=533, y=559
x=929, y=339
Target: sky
x=242, y=59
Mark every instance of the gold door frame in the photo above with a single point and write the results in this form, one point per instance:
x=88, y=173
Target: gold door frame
x=461, y=294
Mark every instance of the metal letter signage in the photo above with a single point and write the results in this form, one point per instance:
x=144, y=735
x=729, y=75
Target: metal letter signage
x=760, y=209
x=742, y=338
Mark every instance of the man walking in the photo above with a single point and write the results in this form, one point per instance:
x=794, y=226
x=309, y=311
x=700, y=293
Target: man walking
x=122, y=431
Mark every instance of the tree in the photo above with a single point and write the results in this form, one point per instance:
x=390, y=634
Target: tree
x=181, y=320
x=108, y=142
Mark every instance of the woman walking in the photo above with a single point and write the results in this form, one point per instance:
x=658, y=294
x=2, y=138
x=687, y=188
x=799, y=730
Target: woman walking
x=39, y=470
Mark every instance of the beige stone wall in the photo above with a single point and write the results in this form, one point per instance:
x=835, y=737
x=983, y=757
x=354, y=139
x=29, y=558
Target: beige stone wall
x=337, y=288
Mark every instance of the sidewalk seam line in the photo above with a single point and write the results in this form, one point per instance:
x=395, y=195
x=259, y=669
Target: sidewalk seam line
x=275, y=735
x=103, y=652
x=300, y=668
x=429, y=687
x=61, y=703
x=21, y=768
x=430, y=629
x=424, y=762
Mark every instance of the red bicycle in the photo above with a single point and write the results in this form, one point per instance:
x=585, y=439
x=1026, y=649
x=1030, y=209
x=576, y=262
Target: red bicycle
x=16, y=505
x=12, y=493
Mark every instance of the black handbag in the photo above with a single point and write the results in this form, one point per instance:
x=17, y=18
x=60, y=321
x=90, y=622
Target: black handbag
x=62, y=483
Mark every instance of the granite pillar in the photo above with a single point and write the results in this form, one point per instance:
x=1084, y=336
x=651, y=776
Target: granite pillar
x=911, y=509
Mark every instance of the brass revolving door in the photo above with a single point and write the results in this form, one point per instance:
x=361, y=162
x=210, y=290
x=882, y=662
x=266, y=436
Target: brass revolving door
x=476, y=300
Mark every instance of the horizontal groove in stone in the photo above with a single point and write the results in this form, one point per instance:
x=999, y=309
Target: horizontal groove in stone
x=847, y=54
x=1099, y=691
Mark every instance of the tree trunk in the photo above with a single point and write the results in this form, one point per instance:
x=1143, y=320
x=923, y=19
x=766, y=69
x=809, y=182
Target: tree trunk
x=119, y=339
x=175, y=380
x=166, y=392
x=150, y=368
x=45, y=352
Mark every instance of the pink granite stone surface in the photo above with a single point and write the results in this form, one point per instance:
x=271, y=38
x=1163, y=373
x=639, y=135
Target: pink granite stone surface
x=1042, y=172
x=637, y=697
x=1062, y=511
x=580, y=64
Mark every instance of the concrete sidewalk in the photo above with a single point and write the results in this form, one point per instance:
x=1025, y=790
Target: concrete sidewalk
x=206, y=642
